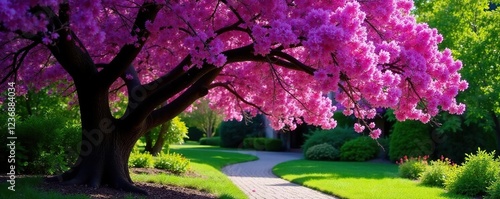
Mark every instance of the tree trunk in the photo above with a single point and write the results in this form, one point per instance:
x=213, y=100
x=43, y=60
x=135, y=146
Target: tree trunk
x=149, y=141
x=160, y=141
x=106, y=144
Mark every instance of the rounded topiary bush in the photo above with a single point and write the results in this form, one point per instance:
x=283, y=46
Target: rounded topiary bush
x=410, y=138
x=412, y=168
x=248, y=143
x=359, y=149
x=322, y=152
x=233, y=132
x=213, y=141
x=259, y=144
x=476, y=174
x=194, y=134
x=335, y=137
x=273, y=145
x=436, y=173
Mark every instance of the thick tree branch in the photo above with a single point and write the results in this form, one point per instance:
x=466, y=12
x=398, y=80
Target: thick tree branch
x=73, y=59
x=129, y=52
x=293, y=63
x=169, y=111
x=145, y=104
x=167, y=78
x=150, y=96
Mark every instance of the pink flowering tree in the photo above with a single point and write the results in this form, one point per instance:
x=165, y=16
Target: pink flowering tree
x=278, y=58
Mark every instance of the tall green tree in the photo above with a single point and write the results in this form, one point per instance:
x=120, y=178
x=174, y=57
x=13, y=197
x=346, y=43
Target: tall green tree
x=203, y=118
x=471, y=30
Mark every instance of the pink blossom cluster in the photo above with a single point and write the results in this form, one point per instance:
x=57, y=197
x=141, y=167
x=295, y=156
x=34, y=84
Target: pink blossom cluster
x=369, y=54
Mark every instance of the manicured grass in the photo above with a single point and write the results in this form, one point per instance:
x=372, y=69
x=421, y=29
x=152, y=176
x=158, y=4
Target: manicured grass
x=26, y=188
x=207, y=165
x=356, y=180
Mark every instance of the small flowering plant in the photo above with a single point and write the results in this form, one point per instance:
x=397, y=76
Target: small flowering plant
x=412, y=168
x=437, y=172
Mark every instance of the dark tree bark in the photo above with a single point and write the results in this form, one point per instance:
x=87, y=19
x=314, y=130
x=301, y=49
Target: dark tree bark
x=160, y=140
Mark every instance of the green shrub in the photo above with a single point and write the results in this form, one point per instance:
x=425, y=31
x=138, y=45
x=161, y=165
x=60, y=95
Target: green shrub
x=173, y=162
x=335, y=137
x=455, y=144
x=194, y=134
x=410, y=138
x=412, y=168
x=436, y=173
x=141, y=160
x=322, y=152
x=476, y=174
x=259, y=144
x=344, y=121
x=359, y=149
x=494, y=190
x=44, y=145
x=233, y=132
x=273, y=145
x=248, y=143
x=213, y=141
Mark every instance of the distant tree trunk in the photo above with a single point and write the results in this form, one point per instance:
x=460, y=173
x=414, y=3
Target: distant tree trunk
x=160, y=140
x=149, y=141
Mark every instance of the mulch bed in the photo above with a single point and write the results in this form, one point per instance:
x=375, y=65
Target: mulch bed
x=154, y=190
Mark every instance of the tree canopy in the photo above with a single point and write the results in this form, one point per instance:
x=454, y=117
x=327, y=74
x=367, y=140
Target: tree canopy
x=471, y=30
x=279, y=58
x=368, y=51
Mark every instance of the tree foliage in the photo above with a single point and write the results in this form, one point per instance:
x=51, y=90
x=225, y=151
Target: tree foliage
x=203, y=118
x=471, y=30
x=276, y=57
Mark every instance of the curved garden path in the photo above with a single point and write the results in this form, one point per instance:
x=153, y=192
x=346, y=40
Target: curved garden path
x=257, y=180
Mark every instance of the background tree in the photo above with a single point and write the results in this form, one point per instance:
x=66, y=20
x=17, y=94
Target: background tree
x=171, y=132
x=273, y=57
x=471, y=30
x=203, y=118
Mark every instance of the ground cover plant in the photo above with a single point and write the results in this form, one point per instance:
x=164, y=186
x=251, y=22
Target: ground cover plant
x=356, y=180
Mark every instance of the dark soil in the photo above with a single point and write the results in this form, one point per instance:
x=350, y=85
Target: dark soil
x=154, y=190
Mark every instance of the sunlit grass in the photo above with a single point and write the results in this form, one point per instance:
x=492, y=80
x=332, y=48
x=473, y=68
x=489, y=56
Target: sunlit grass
x=206, y=166
x=356, y=180
x=206, y=176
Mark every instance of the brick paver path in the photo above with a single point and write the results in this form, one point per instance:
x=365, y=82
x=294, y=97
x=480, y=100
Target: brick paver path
x=256, y=179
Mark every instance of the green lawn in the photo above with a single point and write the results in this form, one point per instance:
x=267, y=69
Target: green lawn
x=356, y=180
x=207, y=164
